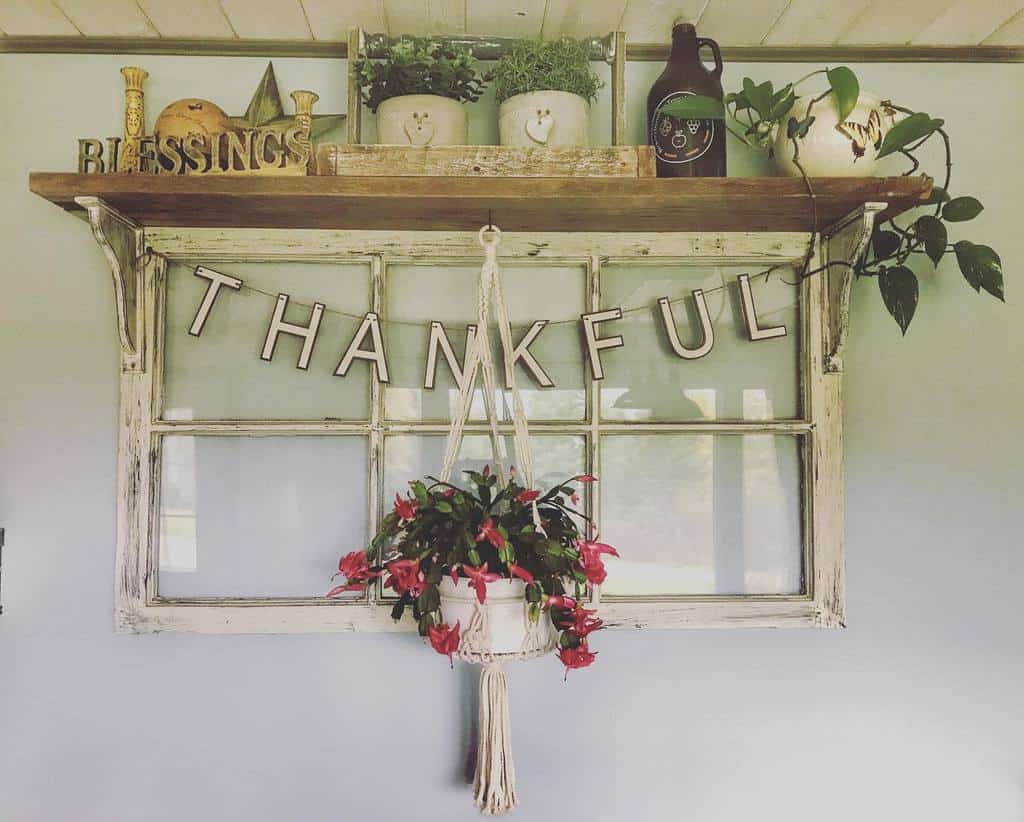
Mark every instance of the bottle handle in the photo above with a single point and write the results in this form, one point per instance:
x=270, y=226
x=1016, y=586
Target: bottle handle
x=705, y=41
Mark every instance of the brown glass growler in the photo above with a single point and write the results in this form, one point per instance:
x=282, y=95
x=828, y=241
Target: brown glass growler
x=687, y=147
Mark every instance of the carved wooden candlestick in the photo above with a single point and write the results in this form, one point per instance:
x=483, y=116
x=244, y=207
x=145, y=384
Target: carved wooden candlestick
x=304, y=119
x=134, y=112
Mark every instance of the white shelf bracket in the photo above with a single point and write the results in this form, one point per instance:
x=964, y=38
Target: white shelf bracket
x=121, y=241
x=844, y=242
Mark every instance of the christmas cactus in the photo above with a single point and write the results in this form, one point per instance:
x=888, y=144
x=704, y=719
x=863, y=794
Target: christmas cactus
x=480, y=536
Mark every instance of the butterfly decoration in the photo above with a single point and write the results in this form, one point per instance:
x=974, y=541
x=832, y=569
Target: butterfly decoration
x=860, y=136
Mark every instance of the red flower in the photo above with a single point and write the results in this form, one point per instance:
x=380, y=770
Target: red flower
x=522, y=573
x=487, y=471
x=559, y=601
x=585, y=478
x=445, y=640
x=405, y=508
x=590, y=560
x=449, y=492
x=489, y=532
x=478, y=579
x=575, y=498
x=405, y=577
x=578, y=657
x=453, y=572
x=582, y=621
x=351, y=586
x=355, y=567
x=527, y=496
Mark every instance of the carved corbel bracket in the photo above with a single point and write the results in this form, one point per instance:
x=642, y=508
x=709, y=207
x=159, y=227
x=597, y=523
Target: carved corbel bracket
x=121, y=240
x=844, y=242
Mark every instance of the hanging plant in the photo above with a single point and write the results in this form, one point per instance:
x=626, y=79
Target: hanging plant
x=476, y=537
x=419, y=65
x=766, y=118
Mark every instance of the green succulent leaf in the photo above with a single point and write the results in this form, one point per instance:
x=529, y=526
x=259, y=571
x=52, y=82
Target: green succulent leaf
x=962, y=209
x=907, y=131
x=932, y=232
x=899, y=293
x=981, y=267
x=845, y=88
x=443, y=507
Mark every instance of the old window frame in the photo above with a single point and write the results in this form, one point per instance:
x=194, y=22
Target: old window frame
x=139, y=259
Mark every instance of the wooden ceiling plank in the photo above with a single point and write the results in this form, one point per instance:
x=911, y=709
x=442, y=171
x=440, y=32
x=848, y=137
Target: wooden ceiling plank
x=886, y=22
x=27, y=18
x=187, y=18
x=814, y=22
x=112, y=18
x=968, y=22
x=733, y=24
x=331, y=20
x=582, y=18
x=507, y=18
x=1010, y=33
x=422, y=18
x=268, y=19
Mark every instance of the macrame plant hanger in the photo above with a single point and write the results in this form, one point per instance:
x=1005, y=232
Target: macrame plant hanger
x=494, y=784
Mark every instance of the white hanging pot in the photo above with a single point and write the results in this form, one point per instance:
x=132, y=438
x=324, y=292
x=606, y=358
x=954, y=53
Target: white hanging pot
x=505, y=628
x=830, y=149
x=539, y=119
x=422, y=120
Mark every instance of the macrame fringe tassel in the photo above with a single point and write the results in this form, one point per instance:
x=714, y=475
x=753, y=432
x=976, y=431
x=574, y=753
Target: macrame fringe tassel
x=495, y=780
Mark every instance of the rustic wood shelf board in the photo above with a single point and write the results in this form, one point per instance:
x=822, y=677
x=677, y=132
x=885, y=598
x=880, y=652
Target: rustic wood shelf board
x=462, y=204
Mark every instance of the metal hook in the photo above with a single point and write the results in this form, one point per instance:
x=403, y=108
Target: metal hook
x=490, y=222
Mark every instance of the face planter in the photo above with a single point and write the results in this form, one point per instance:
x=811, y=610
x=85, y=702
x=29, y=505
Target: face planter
x=422, y=120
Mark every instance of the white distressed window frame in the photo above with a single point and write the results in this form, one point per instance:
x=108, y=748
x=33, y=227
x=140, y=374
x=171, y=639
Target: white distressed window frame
x=139, y=258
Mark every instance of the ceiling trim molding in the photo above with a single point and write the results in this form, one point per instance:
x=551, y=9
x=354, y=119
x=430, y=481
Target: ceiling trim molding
x=634, y=51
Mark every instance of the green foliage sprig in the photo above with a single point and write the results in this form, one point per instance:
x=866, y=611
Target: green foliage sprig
x=896, y=249
x=419, y=65
x=554, y=65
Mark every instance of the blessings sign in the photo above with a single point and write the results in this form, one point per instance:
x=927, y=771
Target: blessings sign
x=368, y=343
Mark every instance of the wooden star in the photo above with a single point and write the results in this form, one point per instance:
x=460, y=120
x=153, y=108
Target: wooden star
x=266, y=110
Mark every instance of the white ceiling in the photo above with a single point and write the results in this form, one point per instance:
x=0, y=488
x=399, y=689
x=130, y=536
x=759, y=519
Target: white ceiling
x=731, y=22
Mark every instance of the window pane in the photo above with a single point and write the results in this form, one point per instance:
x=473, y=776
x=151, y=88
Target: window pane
x=702, y=514
x=408, y=457
x=417, y=294
x=259, y=516
x=737, y=380
x=220, y=375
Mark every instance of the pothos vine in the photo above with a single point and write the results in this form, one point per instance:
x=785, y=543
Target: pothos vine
x=757, y=113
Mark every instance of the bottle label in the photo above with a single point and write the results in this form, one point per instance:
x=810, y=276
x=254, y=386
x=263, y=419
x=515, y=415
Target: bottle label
x=679, y=139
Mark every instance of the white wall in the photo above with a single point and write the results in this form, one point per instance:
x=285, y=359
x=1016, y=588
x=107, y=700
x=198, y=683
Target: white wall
x=913, y=712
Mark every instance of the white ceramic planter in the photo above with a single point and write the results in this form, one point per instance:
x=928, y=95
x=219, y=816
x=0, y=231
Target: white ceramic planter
x=544, y=118
x=828, y=151
x=507, y=618
x=422, y=120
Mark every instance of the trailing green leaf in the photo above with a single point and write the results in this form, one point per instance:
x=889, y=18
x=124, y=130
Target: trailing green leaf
x=981, y=267
x=931, y=231
x=962, y=209
x=899, y=293
x=845, y=89
x=909, y=130
x=694, y=107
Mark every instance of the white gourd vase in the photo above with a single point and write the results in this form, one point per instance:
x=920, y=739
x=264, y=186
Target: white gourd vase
x=422, y=120
x=828, y=151
x=539, y=119
x=507, y=622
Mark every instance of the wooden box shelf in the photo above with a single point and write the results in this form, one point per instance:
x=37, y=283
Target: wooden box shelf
x=399, y=203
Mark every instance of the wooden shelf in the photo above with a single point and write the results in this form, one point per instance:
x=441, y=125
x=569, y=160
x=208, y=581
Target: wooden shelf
x=462, y=204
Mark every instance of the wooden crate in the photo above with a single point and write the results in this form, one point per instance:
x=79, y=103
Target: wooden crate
x=337, y=159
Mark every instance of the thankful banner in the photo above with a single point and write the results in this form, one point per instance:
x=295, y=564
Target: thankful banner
x=367, y=344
